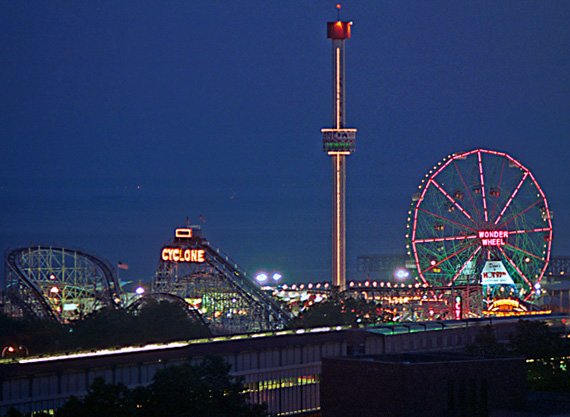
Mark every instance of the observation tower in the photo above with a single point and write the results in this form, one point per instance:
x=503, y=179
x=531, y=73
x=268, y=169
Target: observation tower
x=338, y=142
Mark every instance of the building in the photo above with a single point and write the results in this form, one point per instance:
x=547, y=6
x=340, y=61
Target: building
x=441, y=384
x=280, y=368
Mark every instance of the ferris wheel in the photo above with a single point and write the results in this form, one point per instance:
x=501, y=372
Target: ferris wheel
x=480, y=217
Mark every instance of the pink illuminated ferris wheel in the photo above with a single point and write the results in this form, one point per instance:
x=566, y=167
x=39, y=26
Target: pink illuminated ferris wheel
x=480, y=217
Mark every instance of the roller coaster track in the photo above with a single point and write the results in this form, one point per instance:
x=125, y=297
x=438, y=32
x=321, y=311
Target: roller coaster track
x=240, y=279
x=31, y=272
x=229, y=300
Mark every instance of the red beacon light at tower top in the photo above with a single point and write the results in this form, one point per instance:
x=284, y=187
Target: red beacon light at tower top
x=338, y=29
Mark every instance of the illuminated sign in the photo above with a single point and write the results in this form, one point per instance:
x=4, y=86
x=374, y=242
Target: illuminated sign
x=187, y=233
x=183, y=255
x=507, y=306
x=493, y=237
x=339, y=140
x=508, y=302
x=494, y=272
x=457, y=307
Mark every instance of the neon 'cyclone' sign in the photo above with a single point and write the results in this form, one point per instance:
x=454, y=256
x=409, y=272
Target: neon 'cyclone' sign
x=183, y=255
x=493, y=237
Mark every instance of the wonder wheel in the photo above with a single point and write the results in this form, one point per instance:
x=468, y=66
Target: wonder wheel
x=480, y=217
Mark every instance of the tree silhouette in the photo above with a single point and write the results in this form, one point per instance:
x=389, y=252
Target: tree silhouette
x=205, y=389
x=153, y=322
x=338, y=309
x=486, y=343
x=102, y=400
x=547, y=354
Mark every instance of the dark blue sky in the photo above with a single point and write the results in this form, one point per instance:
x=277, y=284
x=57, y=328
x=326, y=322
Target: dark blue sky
x=120, y=119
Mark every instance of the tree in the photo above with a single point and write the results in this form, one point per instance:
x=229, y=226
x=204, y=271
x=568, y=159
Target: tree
x=153, y=322
x=548, y=365
x=102, y=400
x=104, y=328
x=535, y=340
x=205, y=389
x=165, y=321
x=338, y=309
x=32, y=334
x=486, y=343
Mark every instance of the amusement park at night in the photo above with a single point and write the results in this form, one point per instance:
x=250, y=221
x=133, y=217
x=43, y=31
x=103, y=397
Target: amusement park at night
x=478, y=244
x=479, y=238
x=476, y=266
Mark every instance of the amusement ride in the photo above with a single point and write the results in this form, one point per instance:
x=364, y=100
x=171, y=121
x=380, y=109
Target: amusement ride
x=480, y=218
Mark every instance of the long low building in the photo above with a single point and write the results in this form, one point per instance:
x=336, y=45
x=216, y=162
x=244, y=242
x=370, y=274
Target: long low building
x=281, y=368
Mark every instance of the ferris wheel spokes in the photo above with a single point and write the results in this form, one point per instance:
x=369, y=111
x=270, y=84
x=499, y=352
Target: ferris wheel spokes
x=465, y=265
x=498, y=187
x=512, y=197
x=450, y=199
x=445, y=239
x=467, y=189
x=518, y=215
x=516, y=267
x=448, y=220
x=540, y=229
x=482, y=185
x=516, y=248
x=434, y=264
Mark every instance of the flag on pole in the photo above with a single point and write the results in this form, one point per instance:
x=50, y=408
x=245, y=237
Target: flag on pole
x=201, y=218
x=123, y=266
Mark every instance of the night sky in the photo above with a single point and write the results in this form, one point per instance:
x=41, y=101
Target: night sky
x=119, y=120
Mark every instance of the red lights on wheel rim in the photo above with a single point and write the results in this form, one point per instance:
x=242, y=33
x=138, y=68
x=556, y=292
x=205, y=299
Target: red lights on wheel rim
x=475, y=207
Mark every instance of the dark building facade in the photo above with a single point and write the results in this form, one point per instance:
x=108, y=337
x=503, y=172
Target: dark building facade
x=410, y=385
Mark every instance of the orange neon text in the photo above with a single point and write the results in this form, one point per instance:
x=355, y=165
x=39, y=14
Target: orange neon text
x=183, y=255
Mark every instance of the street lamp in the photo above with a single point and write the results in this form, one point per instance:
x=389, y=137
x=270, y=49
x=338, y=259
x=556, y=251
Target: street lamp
x=401, y=274
x=261, y=277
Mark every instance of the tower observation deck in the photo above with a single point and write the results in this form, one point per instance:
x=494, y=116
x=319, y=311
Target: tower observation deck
x=338, y=142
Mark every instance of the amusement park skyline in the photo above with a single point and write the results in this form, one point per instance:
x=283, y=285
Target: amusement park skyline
x=121, y=123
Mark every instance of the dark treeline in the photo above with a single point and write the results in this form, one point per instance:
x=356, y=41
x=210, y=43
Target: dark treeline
x=153, y=322
x=547, y=351
x=186, y=390
x=340, y=309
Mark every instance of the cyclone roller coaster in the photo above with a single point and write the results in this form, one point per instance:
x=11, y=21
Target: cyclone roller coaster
x=195, y=270
x=65, y=284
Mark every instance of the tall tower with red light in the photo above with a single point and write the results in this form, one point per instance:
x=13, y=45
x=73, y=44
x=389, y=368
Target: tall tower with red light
x=338, y=142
